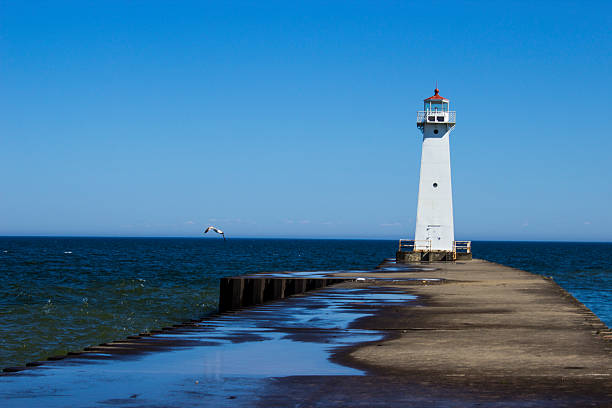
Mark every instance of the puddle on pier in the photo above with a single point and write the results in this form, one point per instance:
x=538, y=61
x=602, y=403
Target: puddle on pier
x=405, y=269
x=307, y=274
x=353, y=273
x=230, y=356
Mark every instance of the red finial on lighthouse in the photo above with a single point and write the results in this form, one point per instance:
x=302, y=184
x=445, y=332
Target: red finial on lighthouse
x=437, y=96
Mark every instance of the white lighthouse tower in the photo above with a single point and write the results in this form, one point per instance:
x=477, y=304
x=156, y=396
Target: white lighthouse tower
x=434, y=223
x=434, y=237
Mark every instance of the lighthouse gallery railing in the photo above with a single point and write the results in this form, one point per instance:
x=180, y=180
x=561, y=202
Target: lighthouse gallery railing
x=432, y=116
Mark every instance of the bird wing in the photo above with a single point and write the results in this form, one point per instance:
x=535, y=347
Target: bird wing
x=217, y=230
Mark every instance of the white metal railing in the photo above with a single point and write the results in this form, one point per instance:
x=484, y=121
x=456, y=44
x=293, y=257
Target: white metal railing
x=464, y=247
x=434, y=117
x=410, y=245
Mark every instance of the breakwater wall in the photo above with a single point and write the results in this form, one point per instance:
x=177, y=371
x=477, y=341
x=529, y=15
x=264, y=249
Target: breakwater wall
x=238, y=291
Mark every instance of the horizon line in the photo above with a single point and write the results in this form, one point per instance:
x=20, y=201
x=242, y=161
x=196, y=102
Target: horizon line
x=278, y=237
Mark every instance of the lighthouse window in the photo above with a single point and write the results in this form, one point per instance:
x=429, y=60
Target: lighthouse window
x=435, y=131
x=435, y=185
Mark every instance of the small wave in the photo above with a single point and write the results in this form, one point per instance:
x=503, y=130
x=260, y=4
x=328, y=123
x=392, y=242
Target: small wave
x=67, y=252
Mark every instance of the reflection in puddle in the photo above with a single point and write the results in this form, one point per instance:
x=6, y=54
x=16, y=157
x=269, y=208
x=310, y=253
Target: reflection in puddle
x=354, y=273
x=406, y=269
x=315, y=274
x=231, y=353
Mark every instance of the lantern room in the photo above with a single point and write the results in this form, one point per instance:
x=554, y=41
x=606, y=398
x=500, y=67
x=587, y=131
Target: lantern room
x=436, y=103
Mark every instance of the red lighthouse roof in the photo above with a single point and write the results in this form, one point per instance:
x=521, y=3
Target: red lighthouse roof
x=436, y=97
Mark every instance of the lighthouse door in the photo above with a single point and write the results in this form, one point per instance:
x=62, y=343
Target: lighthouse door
x=433, y=234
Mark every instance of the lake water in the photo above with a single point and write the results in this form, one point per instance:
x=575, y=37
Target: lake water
x=62, y=294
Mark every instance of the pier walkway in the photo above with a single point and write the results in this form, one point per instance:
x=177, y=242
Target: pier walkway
x=500, y=333
x=464, y=334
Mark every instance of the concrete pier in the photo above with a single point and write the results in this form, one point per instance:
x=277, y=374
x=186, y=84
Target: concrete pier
x=498, y=331
x=468, y=334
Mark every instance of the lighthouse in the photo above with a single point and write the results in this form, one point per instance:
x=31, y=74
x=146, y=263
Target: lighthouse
x=434, y=237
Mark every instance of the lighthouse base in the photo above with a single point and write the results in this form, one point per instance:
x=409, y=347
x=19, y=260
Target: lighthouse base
x=431, y=256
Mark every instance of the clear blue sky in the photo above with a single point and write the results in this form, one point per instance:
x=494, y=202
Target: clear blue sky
x=297, y=119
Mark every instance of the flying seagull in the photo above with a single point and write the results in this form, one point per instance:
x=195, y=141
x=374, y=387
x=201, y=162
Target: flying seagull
x=217, y=230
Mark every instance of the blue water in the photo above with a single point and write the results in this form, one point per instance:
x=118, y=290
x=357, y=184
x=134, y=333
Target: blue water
x=62, y=294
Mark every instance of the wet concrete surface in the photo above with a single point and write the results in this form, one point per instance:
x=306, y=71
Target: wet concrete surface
x=494, y=336
x=465, y=334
